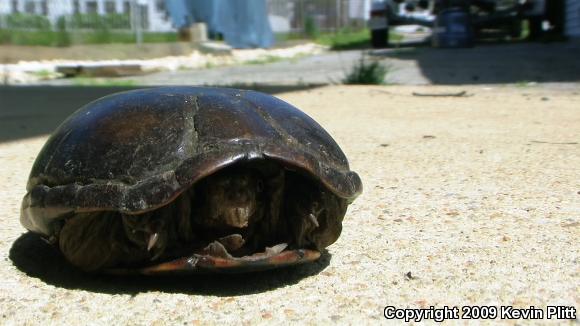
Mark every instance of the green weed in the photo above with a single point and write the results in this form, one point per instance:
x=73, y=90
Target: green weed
x=264, y=60
x=44, y=74
x=367, y=73
x=311, y=28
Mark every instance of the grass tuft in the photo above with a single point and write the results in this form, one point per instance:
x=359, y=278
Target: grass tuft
x=367, y=73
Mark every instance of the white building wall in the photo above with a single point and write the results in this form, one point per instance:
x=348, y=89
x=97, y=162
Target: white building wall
x=119, y=6
x=359, y=9
x=157, y=19
x=572, y=23
x=5, y=7
x=82, y=6
x=56, y=8
x=20, y=6
x=101, y=7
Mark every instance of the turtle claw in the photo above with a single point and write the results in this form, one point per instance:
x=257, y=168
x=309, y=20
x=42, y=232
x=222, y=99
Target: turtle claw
x=232, y=242
x=272, y=251
x=216, y=249
x=152, y=241
x=313, y=220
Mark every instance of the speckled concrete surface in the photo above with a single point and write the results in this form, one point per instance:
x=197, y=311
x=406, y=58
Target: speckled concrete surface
x=470, y=200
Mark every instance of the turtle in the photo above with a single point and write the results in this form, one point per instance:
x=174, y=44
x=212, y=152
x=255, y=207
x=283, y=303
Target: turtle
x=189, y=180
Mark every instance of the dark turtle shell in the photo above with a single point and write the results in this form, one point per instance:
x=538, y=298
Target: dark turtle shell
x=136, y=151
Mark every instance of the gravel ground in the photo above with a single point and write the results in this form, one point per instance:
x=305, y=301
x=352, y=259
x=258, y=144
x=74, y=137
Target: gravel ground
x=468, y=200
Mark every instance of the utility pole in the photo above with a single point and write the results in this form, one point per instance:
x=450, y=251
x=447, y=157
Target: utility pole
x=337, y=27
x=137, y=20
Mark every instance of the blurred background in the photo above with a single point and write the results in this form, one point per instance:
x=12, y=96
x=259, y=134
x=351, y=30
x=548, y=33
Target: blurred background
x=52, y=41
x=94, y=47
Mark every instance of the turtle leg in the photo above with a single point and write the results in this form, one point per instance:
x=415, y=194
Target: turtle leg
x=149, y=231
x=162, y=232
x=93, y=241
x=329, y=215
x=314, y=214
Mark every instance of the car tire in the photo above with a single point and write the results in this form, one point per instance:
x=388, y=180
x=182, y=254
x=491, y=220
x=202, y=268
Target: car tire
x=380, y=38
x=515, y=29
x=535, y=26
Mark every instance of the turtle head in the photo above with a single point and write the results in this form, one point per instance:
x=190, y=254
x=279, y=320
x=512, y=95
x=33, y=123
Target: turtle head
x=232, y=198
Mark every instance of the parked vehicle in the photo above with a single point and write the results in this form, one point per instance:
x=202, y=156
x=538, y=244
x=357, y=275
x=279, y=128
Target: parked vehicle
x=453, y=28
x=379, y=23
x=387, y=13
x=457, y=23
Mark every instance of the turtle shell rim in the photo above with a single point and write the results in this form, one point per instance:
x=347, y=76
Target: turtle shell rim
x=43, y=205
